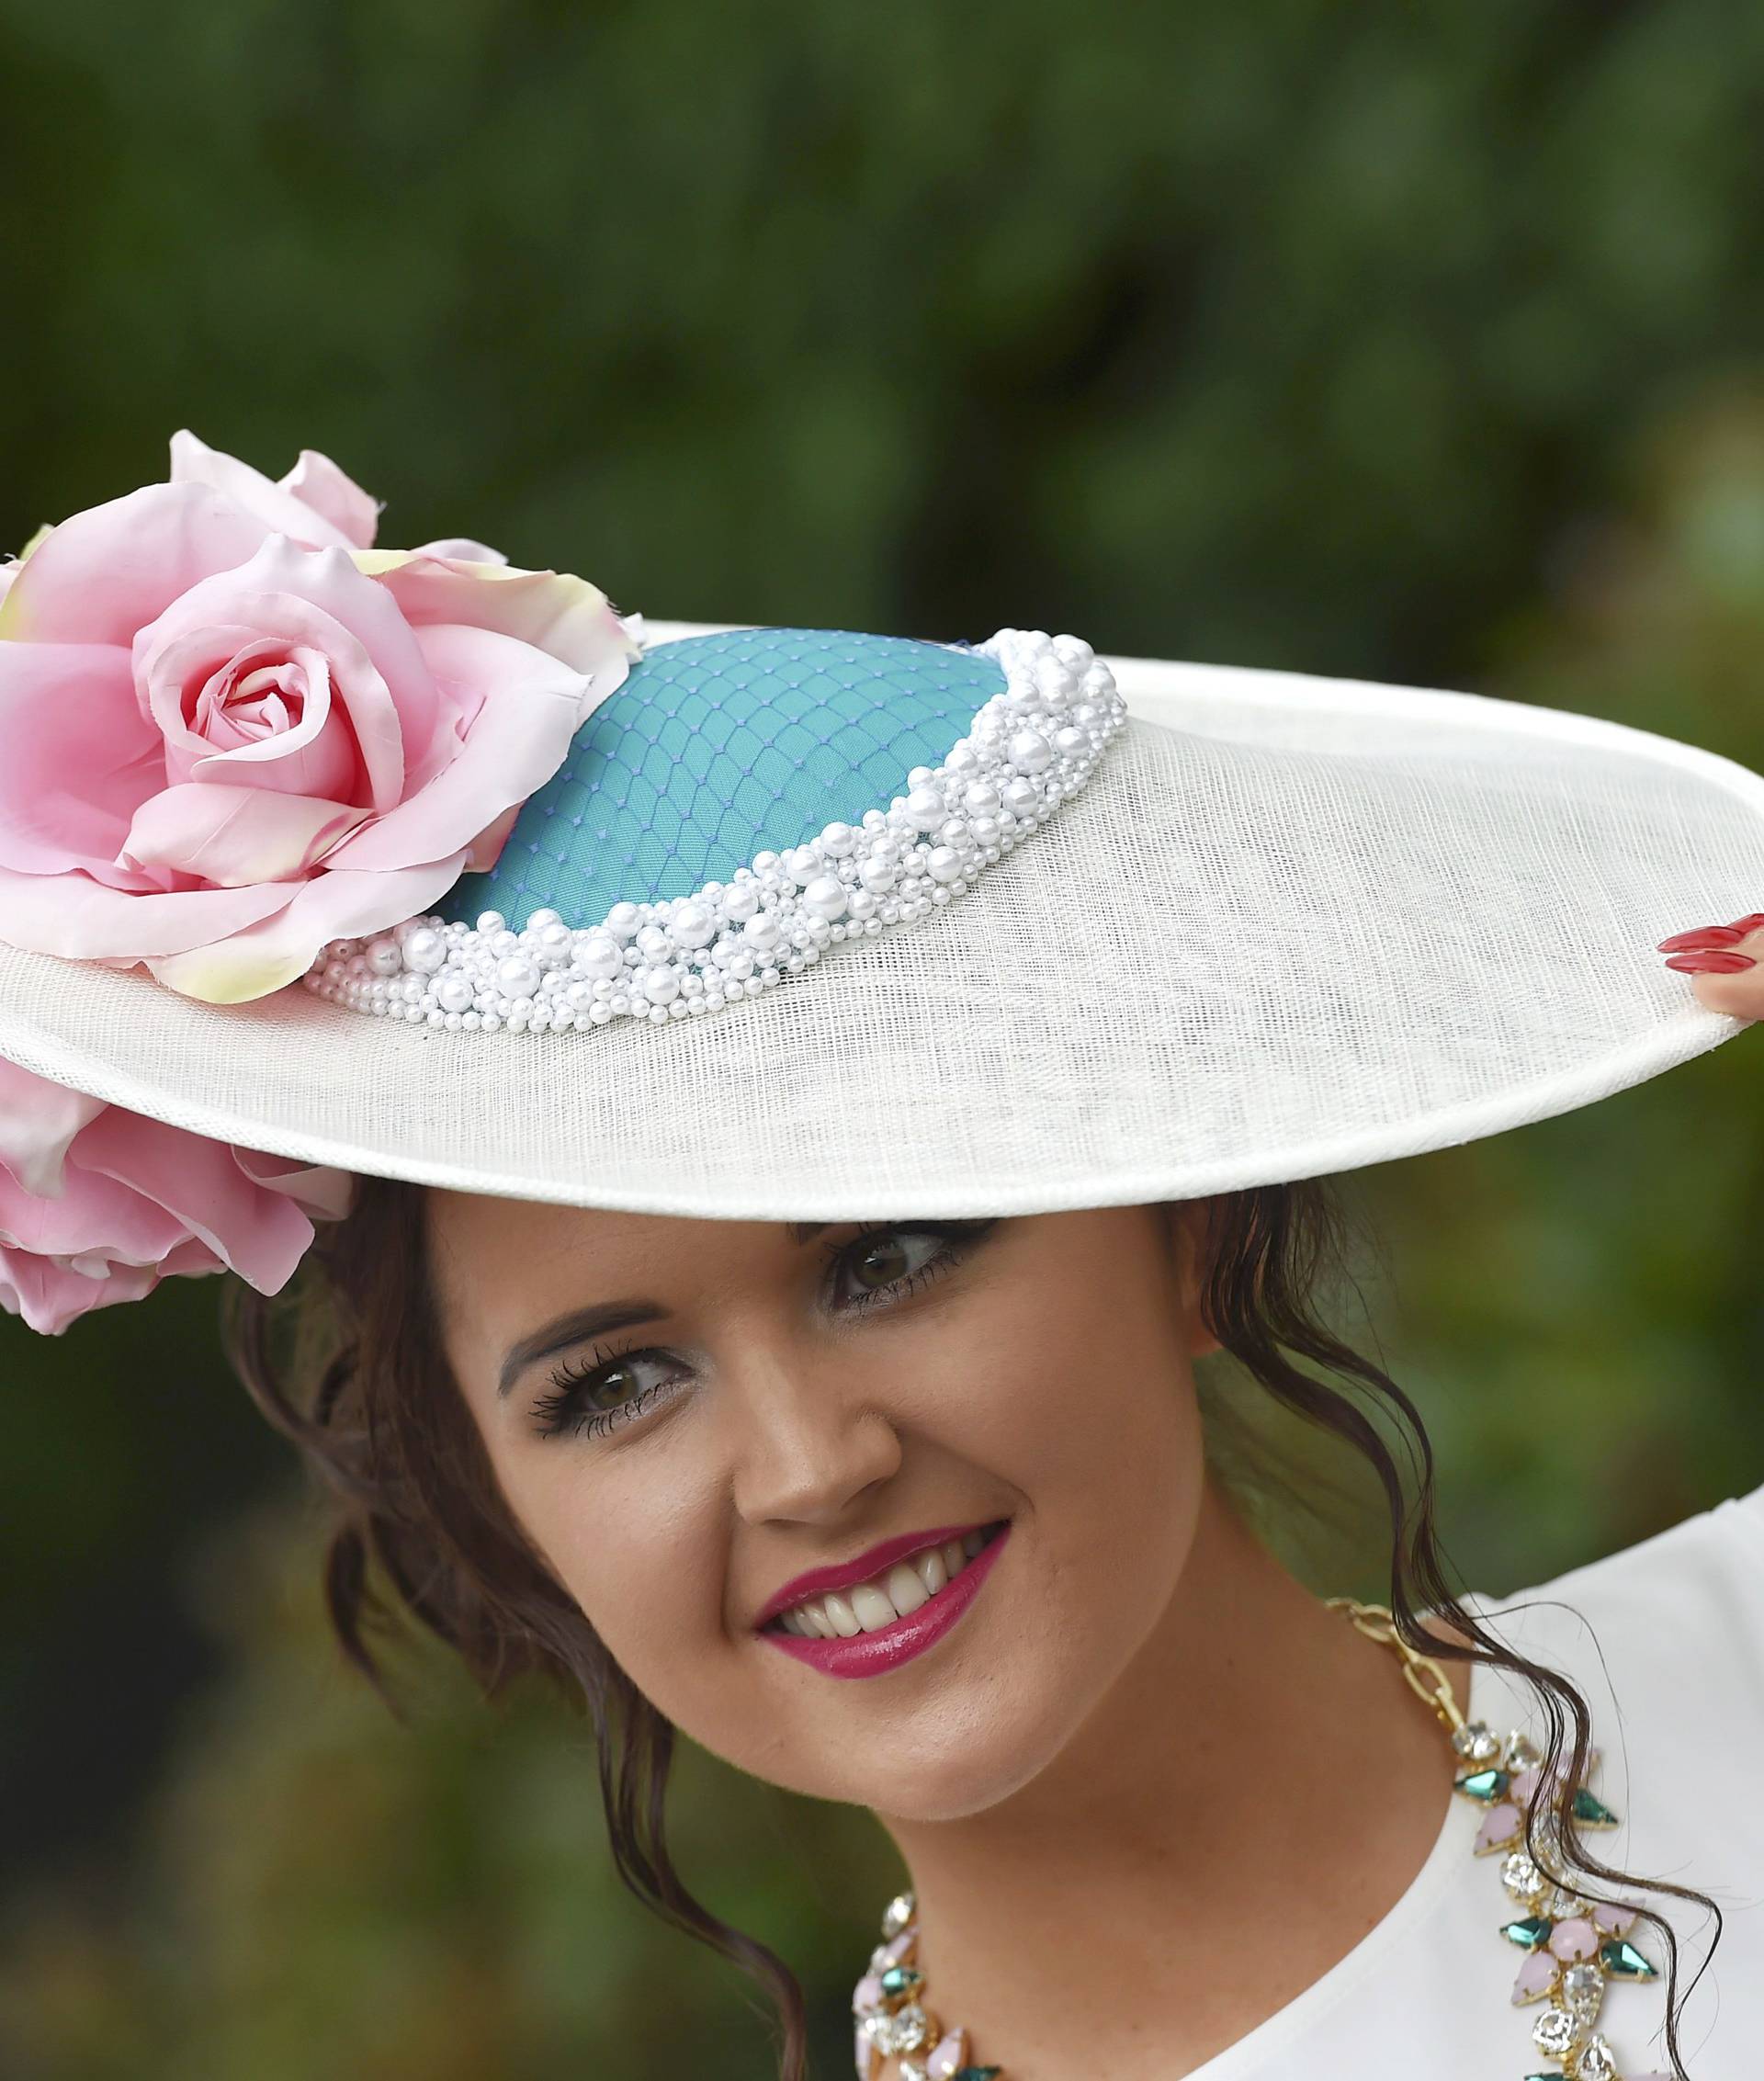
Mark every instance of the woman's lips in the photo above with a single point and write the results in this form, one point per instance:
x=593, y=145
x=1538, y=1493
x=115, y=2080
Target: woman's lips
x=874, y=1654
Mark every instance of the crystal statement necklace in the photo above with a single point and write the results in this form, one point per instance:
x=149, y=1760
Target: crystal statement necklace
x=1574, y=1949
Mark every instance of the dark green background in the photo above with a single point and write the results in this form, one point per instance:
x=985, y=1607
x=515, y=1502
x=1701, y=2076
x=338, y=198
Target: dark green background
x=1418, y=343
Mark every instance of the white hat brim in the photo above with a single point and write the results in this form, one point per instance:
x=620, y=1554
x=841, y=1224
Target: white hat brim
x=1291, y=926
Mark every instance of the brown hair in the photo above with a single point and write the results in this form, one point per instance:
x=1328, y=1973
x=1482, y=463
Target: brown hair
x=362, y=1386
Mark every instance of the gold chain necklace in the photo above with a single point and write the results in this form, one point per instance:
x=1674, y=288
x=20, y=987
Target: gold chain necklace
x=1574, y=1948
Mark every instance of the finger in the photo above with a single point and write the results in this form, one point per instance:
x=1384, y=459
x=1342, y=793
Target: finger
x=1717, y=979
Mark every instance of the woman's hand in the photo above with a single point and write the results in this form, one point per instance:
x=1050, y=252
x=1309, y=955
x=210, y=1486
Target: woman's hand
x=1724, y=963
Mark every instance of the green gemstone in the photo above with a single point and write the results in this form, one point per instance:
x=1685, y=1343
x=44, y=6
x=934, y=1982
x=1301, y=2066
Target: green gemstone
x=1624, y=1961
x=977, y=2072
x=1592, y=1810
x=1484, y=1786
x=1528, y=1934
x=900, y=1981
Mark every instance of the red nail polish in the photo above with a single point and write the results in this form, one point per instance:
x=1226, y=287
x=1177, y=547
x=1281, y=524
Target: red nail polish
x=1705, y=937
x=1749, y=923
x=1713, y=963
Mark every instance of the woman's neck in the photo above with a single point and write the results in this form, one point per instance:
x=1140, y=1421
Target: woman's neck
x=1252, y=1795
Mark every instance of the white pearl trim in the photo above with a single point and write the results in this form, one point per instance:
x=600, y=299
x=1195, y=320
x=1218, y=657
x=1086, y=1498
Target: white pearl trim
x=1030, y=746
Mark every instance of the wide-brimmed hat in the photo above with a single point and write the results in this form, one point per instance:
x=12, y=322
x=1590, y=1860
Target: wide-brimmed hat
x=790, y=923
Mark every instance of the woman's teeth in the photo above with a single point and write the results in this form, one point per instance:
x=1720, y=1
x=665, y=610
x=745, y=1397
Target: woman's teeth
x=872, y=1605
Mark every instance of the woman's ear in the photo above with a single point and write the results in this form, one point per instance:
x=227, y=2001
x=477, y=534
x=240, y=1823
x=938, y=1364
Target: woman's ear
x=1186, y=1223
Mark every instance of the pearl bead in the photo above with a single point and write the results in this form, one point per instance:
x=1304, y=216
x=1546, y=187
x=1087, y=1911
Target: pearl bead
x=762, y=931
x=692, y=926
x=802, y=864
x=660, y=986
x=945, y=863
x=877, y=874
x=837, y=841
x=490, y=922
x=825, y=896
x=599, y=955
x=622, y=921
x=981, y=799
x=517, y=977
x=741, y=902
x=925, y=808
x=538, y=920
x=426, y=950
x=1030, y=752
x=453, y=994
x=1021, y=798
x=384, y=957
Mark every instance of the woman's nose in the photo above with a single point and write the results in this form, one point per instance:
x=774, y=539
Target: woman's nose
x=805, y=1443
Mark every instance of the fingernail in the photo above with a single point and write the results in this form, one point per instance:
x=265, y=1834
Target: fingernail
x=1749, y=923
x=1703, y=937
x=1713, y=963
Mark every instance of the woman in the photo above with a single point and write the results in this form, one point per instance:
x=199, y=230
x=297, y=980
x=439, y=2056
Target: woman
x=804, y=1357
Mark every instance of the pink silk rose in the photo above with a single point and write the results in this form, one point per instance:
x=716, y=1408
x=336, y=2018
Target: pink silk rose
x=232, y=730
x=97, y=1204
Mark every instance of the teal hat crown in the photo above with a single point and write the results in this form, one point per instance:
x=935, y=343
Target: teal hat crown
x=719, y=747
x=741, y=803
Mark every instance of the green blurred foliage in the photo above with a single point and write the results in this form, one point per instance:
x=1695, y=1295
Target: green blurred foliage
x=1421, y=344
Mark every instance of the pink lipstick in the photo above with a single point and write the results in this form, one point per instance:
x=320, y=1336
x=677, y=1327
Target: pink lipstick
x=874, y=1654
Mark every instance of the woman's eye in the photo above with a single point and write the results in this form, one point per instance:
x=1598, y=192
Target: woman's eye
x=605, y=1394
x=884, y=1260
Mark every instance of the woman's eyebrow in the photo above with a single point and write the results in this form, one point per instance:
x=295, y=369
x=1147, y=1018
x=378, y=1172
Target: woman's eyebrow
x=582, y=1323
x=575, y=1328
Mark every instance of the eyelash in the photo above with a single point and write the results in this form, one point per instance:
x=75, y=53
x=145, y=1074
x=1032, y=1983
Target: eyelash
x=561, y=1410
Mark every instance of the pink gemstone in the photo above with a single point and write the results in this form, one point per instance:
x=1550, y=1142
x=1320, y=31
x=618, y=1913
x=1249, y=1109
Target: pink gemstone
x=901, y=1947
x=1499, y=1824
x=1524, y=1787
x=1573, y=1940
x=865, y=2052
x=867, y=1996
x=1534, y=1977
x=950, y=2056
x=1616, y=1920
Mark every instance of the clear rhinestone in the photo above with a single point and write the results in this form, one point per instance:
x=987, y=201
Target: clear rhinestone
x=904, y=2031
x=1597, y=2063
x=897, y=1915
x=1521, y=1753
x=1564, y=1905
x=1555, y=2032
x=1521, y=1877
x=911, y=2070
x=1476, y=1741
x=1583, y=1989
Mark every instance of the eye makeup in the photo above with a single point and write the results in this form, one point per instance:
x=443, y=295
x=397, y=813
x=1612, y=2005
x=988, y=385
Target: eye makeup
x=570, y=1406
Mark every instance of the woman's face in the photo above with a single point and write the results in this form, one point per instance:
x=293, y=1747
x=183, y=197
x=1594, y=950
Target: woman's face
x=756, y=1401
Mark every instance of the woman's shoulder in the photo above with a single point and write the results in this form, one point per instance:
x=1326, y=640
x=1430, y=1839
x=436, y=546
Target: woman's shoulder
x=1664, y=1640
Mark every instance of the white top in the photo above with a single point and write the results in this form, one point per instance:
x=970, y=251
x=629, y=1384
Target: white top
x=1674, y=1681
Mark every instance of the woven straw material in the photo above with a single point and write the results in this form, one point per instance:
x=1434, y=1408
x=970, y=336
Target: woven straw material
x=1290, y=926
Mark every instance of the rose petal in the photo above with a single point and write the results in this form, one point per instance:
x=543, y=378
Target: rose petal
x=102, y=574
x=199, y=1182
x=316, y=482
x=316, y=597
x=234, y=837
x=38, y=1119
x=76, y=756
x=50, y=1296
x=554, y=611
x=333, y=905
x=461, y=547
x=276, y=506
x=82, y=920
x=518, y=727
x=321, y=1194
x=258, y=711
